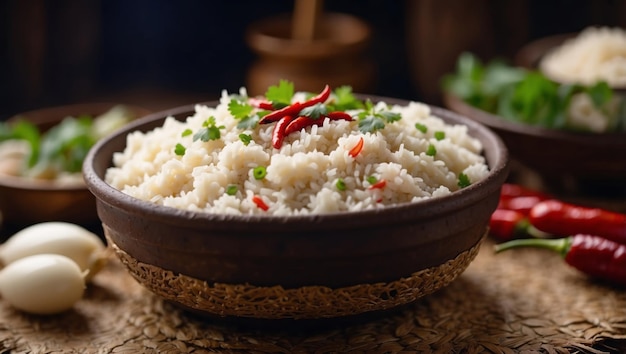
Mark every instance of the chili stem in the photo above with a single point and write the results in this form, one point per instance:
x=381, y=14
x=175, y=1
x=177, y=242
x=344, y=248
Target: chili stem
x=561, y=245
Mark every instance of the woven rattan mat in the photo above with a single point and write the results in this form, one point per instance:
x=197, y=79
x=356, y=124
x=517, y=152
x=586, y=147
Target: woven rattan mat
x=521, y=301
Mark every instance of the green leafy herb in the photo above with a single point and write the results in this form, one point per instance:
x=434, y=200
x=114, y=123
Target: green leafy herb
x=421, y=127
x=245, y=138
x=186, y=132
x=345, y=100
x=340, y=184
x=371, y=179
x=179, y=149
x=209, y=131
x=231, y=189
x=440, y=135
x=464, y=180
x=239, y=109
x=316, y=111
x=280, y=94
x=259, y=172
x=371, y=120
x=431, y=150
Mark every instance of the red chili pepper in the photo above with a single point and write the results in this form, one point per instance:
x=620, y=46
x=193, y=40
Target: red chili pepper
x=338, y=115
x=593, y=255
x=511, y=190
x=560, y=218
x=301, y=122
x=522, y=204
x=296, y=107
x=507, y=224
x=261, y=103
x=278, y=134
x=357, y=148
x=378, y=185
x=260, y=203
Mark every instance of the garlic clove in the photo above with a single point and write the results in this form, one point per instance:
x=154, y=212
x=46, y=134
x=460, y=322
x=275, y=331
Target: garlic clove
x=73, y=241
x=42, y=284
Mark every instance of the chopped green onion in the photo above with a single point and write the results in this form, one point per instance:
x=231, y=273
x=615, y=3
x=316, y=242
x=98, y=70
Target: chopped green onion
x=179, y=149
x=440, y=135
x=186, y=132
x=259, y=172
x=245, y=138
x=340, y=184
x=431, y=151
x=231, y=189
x=464, y=180
x=371, y=179
x=421, y=127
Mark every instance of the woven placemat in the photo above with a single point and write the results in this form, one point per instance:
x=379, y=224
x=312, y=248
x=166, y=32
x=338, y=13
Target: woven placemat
x=521, y=301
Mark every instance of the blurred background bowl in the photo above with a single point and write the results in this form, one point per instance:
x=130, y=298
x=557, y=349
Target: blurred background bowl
x=566, y=162
x=296, y=267
x=24, y=201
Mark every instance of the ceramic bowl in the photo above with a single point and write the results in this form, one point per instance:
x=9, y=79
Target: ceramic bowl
x=567, y=162
x=296, y=267
x=27, y=201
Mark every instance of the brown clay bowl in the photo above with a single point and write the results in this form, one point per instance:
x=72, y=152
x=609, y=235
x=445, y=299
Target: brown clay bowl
x=568, y=162
x=27, y=201
x=296, y=267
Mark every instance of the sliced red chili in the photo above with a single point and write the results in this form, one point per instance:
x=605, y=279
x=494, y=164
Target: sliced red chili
x=301, y=122
x=296, y=107
x=338, y=115
x=261, y=103
x=260, y=203
x=357, y=148
x=378, y=185
x=278, y=134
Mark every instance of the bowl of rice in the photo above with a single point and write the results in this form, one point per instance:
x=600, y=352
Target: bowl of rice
x=367, y=204
x=41, y=153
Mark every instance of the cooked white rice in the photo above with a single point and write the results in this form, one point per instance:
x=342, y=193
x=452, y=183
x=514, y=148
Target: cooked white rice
x=302, y=176
x=596, y=54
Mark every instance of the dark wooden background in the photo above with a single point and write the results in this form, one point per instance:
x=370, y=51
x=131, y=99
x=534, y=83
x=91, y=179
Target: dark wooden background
x=162, y=53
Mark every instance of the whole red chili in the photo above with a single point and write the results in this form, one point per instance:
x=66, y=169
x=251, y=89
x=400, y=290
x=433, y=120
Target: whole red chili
x=522, y=204
x=512, y=190
x=278, y=134
x=593, y=255
x=506, y=224
x=338, y=115
x=296, y=107
x=560, y=218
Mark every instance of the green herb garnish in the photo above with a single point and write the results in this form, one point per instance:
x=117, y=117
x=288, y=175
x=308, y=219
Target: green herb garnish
x=245, y=138
x=464, y=180
x=179, y=149
x=371, y=120
x=345, y=100
x=209, y=131
x=186, y=132
x=421, y=127
x=371, y=180
x=316, y=111
x=439, y=135
x=231, y=189
x=280, y=95
x=431, y=150
x=259, y=172
x=340, y=184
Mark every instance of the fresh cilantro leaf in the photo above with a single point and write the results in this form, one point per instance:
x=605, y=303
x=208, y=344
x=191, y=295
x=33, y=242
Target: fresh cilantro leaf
x=370, y=124
x=390, y=116
x=281, y=93
x=209, y=131
x=600, y=93
x=345, y=99
x=239, y=109
x=245, y=138
x=248, y=122
x=314, y=112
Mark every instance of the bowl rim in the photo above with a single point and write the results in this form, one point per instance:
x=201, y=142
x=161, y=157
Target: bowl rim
x=402, y=213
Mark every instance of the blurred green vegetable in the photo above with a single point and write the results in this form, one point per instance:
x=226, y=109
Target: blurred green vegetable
x=63, y=147
x=527, y=96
